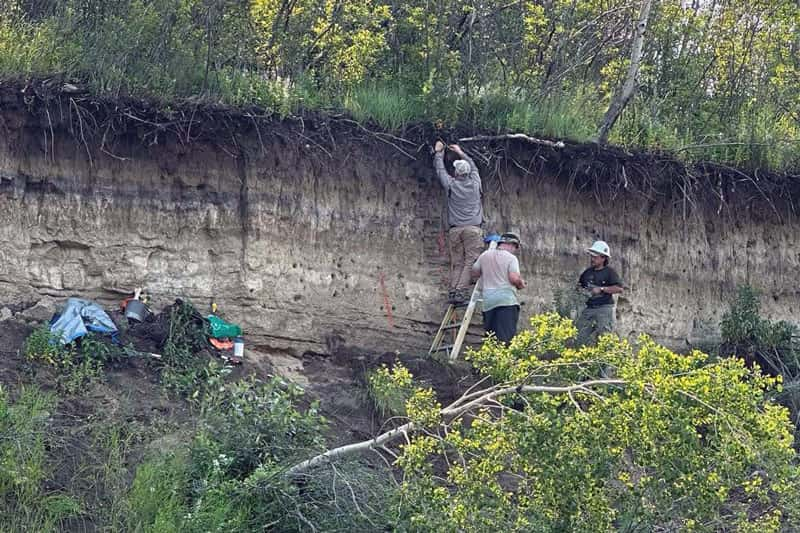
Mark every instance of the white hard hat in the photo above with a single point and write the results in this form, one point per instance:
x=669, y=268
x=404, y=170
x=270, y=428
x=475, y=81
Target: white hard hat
x=600, y=248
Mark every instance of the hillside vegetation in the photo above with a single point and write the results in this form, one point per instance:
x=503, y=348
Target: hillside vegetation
x=621, y=436
x=714, y=80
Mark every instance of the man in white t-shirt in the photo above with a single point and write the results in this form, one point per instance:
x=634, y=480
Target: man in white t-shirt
x=500, y=279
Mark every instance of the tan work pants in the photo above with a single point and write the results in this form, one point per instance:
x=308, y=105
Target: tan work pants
x=466, y=244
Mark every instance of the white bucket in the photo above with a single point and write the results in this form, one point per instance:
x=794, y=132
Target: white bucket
x=238, y=347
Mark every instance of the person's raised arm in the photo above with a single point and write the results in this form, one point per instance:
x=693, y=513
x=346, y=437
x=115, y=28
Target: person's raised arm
x=463, y=155
x=438, y=164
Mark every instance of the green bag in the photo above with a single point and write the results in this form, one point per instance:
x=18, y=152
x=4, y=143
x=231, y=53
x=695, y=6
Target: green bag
x=221, y=329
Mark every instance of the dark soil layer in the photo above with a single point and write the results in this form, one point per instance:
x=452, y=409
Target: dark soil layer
x=109, y=127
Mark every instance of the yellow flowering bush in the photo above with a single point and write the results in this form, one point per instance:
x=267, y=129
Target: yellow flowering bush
x=620, y=436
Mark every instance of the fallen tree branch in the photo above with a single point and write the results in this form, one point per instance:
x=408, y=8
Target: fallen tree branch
x=516, y=136
x=350, y=449
x=453, y=411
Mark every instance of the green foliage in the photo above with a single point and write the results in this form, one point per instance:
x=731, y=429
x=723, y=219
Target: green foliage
x=183, y=368
x=338, y=41
x=560, y=115
x=769, y=344
x=77, y=371
x=29, y=49
x=25, y=504
x=670, y=442
x=155, y=501
x=95, y=348
x=389, y=107
x=76, y=368
x=548, y=336
x=746, y=333
x=259, y=421
x=42, y=345
x=390, y=389
x=232, y=476
x=107, y=470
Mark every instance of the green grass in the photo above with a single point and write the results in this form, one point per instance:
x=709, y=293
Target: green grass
x=155, y=502
x=563, y=116
x=25, y=504
x=390, y=107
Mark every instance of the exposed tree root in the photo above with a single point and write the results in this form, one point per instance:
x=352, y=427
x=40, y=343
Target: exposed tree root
x=103, y=125
x=514, y=136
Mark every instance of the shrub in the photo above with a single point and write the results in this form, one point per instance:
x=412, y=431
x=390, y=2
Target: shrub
x=670, y=442
x=183, y=369
x=747, y=334
x=253, y=422
x=232, y=478
x=97, y=349
x=76, y=368
x=390, y=389
x=42, y=345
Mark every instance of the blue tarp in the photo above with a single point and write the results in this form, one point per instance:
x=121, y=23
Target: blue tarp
x=79, y=317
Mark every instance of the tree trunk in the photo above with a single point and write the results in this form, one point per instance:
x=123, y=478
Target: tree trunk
x=625, y=92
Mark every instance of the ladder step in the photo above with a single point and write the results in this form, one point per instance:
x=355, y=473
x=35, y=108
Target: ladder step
x=456, y=326
x=443, y=347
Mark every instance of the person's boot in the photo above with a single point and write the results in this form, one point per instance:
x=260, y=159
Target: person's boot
x=455, y=297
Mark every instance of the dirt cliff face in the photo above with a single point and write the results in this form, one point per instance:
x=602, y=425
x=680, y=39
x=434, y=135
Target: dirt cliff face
x=311, y=234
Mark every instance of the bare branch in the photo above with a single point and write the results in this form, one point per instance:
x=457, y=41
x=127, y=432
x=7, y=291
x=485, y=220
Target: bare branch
x=450, y=412
x=350, y=449
x=515, y=136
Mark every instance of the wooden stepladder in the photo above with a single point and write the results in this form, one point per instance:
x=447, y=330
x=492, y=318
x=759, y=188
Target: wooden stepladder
x=451, y=322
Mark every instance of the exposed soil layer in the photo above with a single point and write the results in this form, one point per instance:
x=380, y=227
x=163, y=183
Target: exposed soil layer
x=315, y=228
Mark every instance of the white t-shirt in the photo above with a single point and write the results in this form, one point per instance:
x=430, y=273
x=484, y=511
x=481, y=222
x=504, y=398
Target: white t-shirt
x=494, y=267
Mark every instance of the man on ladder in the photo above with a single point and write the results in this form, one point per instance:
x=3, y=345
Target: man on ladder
x=500, y=278
x=464, y=217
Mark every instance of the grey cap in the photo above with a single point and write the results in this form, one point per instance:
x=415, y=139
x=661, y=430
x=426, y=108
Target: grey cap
x=461, y=167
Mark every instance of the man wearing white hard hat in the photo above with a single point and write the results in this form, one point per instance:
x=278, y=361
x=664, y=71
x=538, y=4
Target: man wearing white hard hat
x=464, y=217
x=600, y=282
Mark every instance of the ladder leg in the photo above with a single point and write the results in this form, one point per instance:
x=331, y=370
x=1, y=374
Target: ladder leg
x=437, y=340
x=462, y=331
